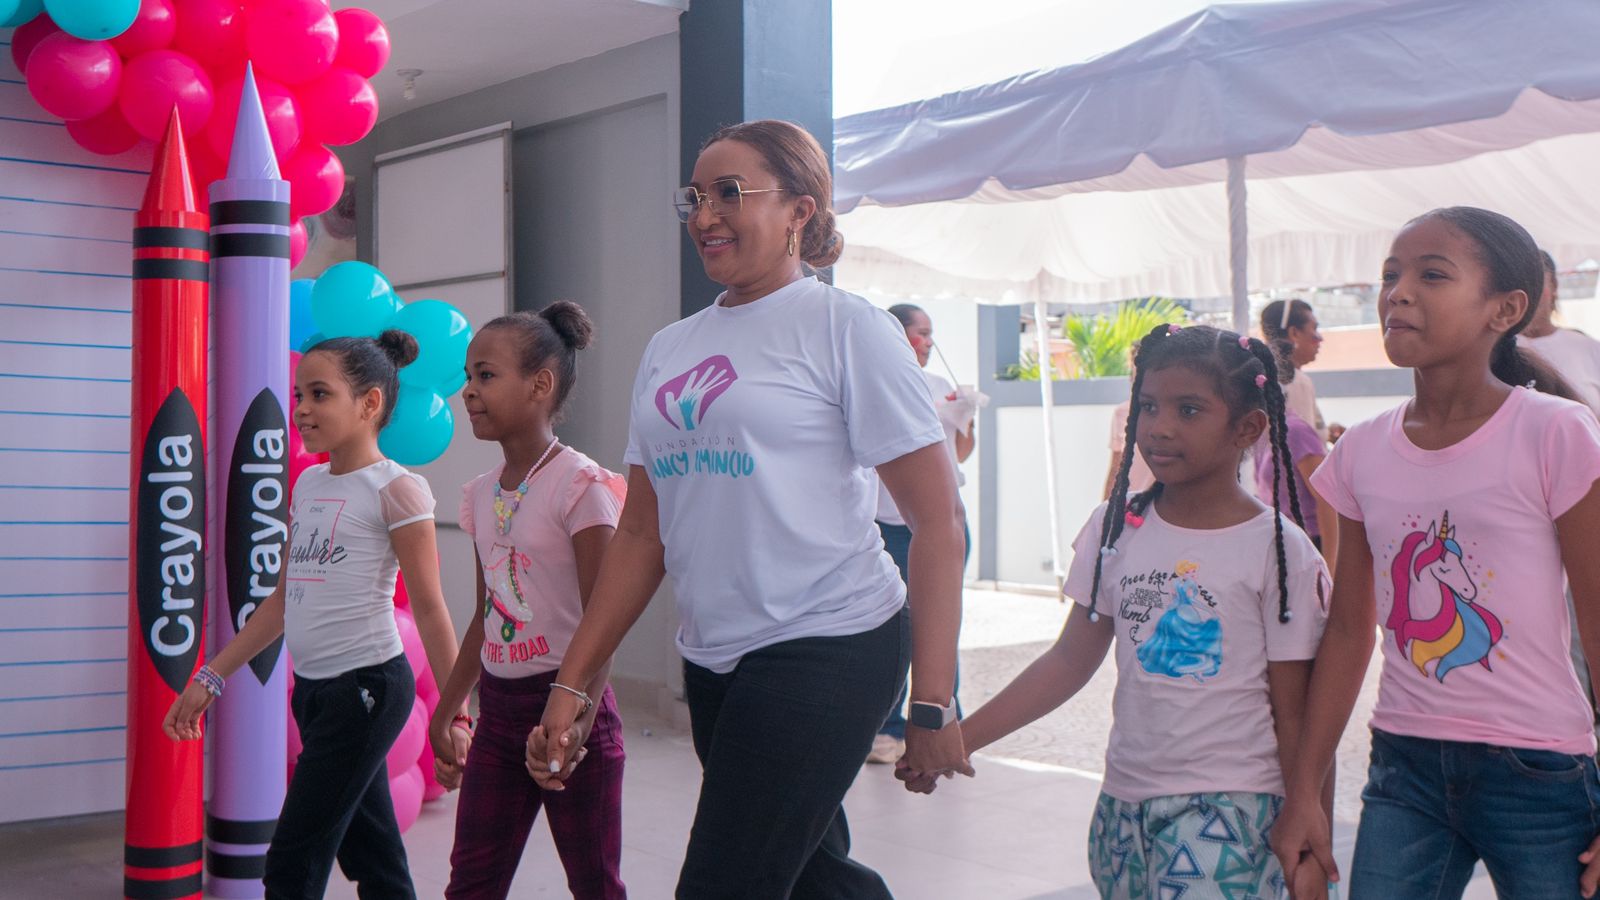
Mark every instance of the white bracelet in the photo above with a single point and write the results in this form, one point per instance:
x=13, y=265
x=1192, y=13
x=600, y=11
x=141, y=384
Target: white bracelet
x=587, y=703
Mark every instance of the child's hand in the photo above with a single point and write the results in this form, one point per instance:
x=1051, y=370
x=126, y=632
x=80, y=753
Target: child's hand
x=1590, y=879
x=1310, y=880
x=544, y=761
x=183, y=719
x=916, y=782
x=1302, y=835
x=450, y=745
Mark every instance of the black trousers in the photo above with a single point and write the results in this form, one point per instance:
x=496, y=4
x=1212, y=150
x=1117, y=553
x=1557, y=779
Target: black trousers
x=338, y=802
x=780, y=740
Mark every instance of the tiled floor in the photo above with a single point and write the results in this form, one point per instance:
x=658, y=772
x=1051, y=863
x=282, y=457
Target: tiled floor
x=1015, y=832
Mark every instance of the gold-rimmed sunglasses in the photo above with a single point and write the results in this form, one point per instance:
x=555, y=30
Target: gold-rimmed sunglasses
x=723, y=197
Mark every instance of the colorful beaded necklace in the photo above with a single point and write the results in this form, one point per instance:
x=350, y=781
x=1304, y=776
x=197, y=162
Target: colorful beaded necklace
x=502, y=513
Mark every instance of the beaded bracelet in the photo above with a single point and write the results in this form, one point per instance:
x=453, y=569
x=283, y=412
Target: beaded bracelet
x=587, y=703
x=208, y=678
x=466, y=721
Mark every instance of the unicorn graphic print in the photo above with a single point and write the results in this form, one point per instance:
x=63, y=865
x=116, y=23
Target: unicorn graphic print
x=1434, y=620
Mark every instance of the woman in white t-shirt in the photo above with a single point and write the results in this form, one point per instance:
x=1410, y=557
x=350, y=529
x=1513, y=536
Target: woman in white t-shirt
x=755, y=426
x=1574, y=354
x=354, y=522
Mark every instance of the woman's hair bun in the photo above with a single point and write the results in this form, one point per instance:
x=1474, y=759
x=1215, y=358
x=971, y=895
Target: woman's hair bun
x=822, y=243
x=570, y=322
x=399, y=346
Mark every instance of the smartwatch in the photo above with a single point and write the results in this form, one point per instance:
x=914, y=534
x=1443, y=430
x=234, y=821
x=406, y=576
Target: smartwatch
x=932, y=716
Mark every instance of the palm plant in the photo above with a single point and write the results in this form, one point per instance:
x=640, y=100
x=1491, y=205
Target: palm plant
x=1102, y=342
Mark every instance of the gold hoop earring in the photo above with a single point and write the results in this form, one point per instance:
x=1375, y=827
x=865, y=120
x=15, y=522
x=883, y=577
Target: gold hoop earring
x=791, y=242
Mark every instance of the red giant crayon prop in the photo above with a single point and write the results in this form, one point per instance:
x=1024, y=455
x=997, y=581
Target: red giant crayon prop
x=166, y=578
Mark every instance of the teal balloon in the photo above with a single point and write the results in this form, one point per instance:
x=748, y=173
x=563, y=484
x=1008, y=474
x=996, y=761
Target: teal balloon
x=93, y=20
x=312, y=341
x=353, y=299
x=452, y=384
x=301, y=325
x=19, y=12
x=420, y=430
x=442, y=334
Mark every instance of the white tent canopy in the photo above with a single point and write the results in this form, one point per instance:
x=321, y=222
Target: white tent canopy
x=1100, y=181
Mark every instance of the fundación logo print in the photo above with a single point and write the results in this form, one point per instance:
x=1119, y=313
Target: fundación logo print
x=685, y=400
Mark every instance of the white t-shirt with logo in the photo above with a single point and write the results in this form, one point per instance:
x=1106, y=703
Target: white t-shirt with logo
x=338, y=609
x=759, y=426
x=1196, y=616
x=940, y=392
x=531, y=574
x=1576, y=358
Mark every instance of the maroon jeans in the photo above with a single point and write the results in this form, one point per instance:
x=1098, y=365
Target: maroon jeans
x=499, y=799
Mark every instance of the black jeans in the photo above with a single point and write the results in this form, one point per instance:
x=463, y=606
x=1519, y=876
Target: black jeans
x=780, y=739
x=338, y=801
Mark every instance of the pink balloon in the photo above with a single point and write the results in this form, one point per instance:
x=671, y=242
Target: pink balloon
x=28, y=36
x=316, y=179
x=431, y=788
x=277, y=102
x=72, y=78
x=339, y=106
x=406, y=793
x=292, y=40
x=363, y=42
x=428, y=691
x=211, y=31
x=107, y=134
x=413, y=737
x=298, y=241
x=411, y=641
x=204, y=169
x=154, y=29
x=155, y=82
x=401, y=598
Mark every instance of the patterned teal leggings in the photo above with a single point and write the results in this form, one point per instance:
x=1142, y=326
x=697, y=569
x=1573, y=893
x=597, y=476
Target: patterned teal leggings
x=1192, y=846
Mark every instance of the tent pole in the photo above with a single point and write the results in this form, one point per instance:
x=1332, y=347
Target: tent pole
x=1041, y=333
x=1238, y=244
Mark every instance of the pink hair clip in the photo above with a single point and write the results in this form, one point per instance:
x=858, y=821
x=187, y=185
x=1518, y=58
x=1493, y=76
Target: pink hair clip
x=1261, y=381
x=1174, y=329
x=1133, y=519
x=1244, y=341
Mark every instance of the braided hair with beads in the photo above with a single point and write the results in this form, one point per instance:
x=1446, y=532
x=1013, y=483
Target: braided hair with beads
x=1246, y=374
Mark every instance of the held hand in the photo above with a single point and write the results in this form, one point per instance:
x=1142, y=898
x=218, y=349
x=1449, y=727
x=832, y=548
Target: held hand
x=938, y=752
x=1310, y=881
x=916, y=782
x=1590, y=879
x=183, y=719
x=561, y=714
x=450, y=745
x=543, y=759
x=1302, y=832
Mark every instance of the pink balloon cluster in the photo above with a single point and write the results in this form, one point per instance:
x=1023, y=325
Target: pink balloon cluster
x=311, y=66
x=410, y=760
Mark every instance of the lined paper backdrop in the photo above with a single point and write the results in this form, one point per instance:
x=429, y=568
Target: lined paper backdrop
x=65, y=224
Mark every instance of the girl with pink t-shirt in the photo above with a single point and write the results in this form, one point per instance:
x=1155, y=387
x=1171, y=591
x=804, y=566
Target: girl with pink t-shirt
x=540, y=523
x=1215, y=603
x=1458, y=512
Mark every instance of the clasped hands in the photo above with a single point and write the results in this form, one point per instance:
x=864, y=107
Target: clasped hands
x=931, y=755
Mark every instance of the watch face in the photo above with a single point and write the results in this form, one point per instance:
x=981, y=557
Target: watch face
x=926, y=715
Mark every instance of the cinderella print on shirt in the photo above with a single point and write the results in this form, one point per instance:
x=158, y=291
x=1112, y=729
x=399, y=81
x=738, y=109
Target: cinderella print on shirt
x=1187, y=642
x=684, y=402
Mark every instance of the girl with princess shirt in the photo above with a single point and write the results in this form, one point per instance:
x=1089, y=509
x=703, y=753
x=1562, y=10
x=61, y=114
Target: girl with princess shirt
x=540, y=522
x=354, y=521
x=1458, y=511
x=1215, y=603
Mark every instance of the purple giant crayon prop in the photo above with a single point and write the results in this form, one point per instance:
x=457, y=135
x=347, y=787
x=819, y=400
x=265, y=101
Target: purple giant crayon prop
x=250, y=297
